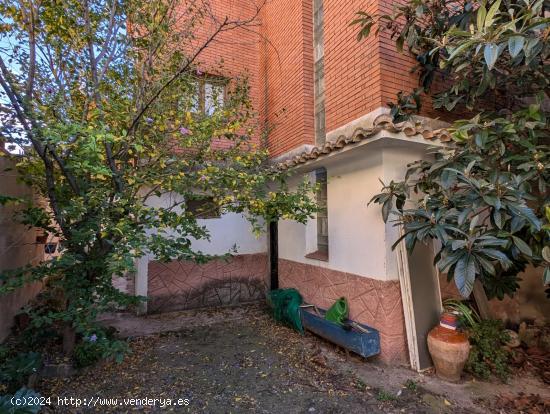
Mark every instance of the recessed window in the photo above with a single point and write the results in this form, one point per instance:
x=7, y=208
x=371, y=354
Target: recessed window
x=209, y=95
x=322, y=216
x=203, y=208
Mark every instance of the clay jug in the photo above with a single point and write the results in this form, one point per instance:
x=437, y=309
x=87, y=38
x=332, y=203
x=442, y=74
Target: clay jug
x=448, y=348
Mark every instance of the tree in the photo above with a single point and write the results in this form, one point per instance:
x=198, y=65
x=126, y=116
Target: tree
x=485, y=196
x=104, y=106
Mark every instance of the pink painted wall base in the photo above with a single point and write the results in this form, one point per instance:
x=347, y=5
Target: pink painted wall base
x=373, y=302
x=187, y=285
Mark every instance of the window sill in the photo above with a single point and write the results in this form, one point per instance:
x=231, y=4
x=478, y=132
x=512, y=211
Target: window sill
x=318, y=255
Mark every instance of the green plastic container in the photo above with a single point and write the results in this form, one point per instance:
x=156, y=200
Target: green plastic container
x=338, y=312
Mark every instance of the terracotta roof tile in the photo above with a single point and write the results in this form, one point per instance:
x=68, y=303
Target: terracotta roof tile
x=381, y=123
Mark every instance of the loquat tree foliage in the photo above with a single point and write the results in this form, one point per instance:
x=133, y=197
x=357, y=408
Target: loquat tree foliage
x=483, y=198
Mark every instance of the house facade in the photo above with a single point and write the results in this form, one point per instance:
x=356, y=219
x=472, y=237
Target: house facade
x=324, y=97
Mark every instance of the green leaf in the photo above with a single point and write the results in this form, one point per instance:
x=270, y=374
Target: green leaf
x=546, y=253
x=457, y=51
x=527, y=213
x=489, y=19
x=493, y=201
x=481, y=14
x=448, y=179
x=465, y=275
x=469, y=167
x=458, y=244
x=486, y=265
x=546, y=276
x=490, y=53
x=498, y=255
x=515, y=45
x=522, y=246
x=497, y=216
x=517, y=224
x=463, y=216
x=450, y=259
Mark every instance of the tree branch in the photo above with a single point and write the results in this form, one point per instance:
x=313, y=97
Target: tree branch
x=97, y=97
x=183, y=69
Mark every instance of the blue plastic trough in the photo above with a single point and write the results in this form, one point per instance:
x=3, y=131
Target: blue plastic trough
x=364, y=341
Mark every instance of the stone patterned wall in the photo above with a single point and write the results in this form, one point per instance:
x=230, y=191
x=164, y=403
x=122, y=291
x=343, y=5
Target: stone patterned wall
x=187, y=285
x=373, y=302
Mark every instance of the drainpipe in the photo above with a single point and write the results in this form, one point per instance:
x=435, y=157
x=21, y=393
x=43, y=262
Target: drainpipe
x=274, y=255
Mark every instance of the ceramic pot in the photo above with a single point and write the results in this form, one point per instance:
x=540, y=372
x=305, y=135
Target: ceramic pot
x=449, y=350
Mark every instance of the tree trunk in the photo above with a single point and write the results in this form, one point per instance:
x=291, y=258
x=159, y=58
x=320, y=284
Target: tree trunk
x=480, y=298
x=274, y=255
x=69, y=339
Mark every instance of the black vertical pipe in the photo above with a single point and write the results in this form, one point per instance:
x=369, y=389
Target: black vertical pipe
x=274, y=254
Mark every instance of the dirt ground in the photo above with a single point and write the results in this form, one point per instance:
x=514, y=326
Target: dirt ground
x=239, y=361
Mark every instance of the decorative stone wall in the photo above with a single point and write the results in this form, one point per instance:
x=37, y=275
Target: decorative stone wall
x=373, y=302
x=187, y=285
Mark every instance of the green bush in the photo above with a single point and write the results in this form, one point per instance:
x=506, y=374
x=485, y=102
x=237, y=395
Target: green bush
x=87, y=353
x=95, y=347
x=487, y=354
x=14, y=372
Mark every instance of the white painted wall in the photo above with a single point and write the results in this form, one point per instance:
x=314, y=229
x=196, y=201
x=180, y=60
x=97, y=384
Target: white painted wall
x=359, y=241
x=229, y=230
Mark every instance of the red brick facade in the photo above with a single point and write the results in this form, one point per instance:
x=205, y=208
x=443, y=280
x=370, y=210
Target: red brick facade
x=286, y=73
x=276, y=55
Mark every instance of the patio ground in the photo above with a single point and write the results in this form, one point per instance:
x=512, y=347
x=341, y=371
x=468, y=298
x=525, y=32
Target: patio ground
x=238, y=360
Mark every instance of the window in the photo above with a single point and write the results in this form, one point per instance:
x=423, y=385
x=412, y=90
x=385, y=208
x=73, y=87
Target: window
x=322, y=216
x=319, y=71
x=209, y=96
x=203, y=208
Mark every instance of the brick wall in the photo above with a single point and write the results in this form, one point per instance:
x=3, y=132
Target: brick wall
x=188, y=285
x=276, y=55
x=352, y=69
x=359, y=76
x=234, y=54
x=286, y=71
x=373, y=302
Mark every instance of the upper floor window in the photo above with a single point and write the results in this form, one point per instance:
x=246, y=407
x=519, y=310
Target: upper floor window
x=209, y=95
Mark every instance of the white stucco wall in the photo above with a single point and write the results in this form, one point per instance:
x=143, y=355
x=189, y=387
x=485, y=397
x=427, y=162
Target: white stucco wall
x=229, y=230
x=359, y=241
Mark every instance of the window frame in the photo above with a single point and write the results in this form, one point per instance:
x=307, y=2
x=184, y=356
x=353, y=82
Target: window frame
x=193, y=205
x=200, y=83
x=322, y=246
